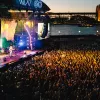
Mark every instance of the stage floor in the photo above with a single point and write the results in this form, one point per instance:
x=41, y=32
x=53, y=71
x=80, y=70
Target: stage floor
x=6, y=59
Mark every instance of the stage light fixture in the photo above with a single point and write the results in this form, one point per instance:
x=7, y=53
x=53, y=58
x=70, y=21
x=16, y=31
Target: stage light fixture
x=97, y=31
x=21, y=43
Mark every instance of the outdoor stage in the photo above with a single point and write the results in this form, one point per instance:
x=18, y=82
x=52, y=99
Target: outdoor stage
x=6, y=59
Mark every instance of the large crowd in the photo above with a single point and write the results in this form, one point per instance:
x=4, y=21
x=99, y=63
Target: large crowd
x=55, y=75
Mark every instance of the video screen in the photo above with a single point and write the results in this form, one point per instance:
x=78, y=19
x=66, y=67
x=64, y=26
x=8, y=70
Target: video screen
x=43, y=30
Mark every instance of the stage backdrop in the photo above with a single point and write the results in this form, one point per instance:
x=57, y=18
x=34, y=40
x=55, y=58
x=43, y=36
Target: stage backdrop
x=11, y=27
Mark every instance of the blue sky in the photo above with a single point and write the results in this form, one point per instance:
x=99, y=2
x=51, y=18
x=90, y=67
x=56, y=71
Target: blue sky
x=72, y=5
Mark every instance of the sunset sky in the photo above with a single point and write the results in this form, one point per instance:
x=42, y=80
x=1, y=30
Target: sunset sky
x=72, y=5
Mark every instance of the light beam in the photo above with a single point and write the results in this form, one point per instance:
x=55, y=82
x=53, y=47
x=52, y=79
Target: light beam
x=30, y=38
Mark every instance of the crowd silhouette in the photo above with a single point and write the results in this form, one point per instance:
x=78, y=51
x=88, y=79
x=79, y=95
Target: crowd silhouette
x=55, y=75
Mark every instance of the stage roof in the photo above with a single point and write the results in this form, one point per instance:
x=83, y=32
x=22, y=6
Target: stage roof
x=34, y=5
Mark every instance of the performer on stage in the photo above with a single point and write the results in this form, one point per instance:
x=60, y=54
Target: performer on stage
x=10, y=51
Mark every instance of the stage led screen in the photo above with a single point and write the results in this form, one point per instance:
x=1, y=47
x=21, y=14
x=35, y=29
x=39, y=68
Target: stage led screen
x=8, y=29
x=11, y=27
x=43, y=30
x=40, y=30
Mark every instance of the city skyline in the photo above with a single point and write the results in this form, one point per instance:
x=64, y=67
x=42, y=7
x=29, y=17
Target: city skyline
x=72, y=5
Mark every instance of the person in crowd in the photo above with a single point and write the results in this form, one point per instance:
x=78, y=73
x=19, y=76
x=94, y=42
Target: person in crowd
x=11, y=50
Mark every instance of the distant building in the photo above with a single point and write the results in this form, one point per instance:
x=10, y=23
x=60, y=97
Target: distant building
x=98, y=12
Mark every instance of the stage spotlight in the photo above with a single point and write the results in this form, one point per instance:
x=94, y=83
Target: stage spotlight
x=21, y=43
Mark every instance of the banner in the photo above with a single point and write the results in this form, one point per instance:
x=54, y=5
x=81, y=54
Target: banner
x=29, y=4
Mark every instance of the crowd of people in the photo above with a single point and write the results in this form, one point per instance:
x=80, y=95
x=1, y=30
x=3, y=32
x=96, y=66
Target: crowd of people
x=55, y=75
